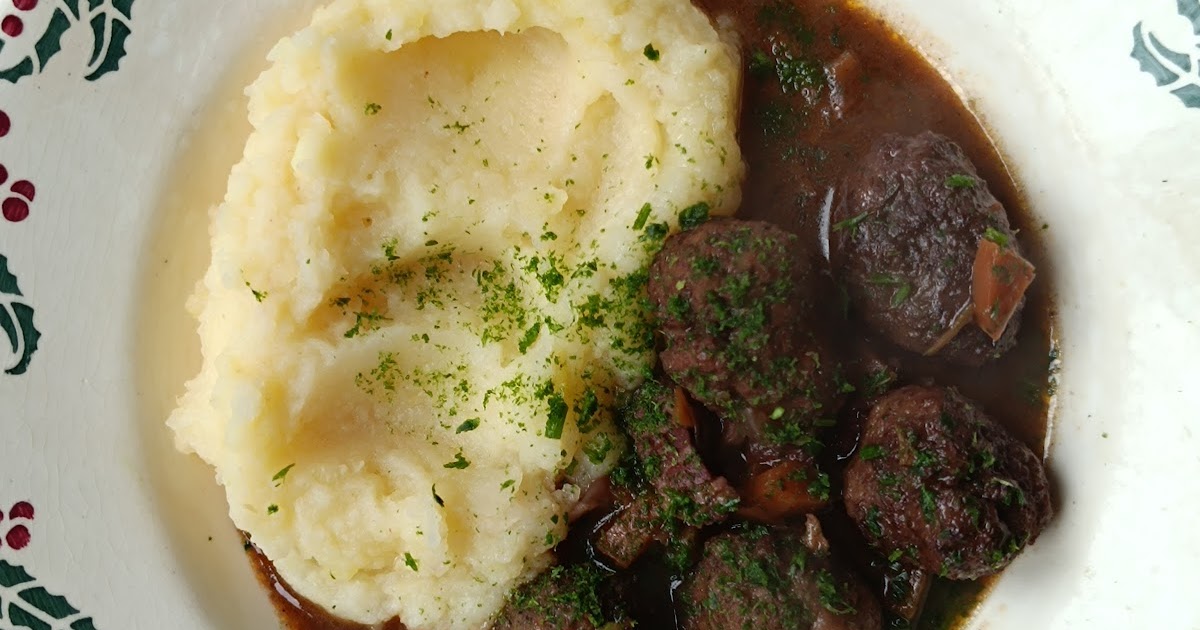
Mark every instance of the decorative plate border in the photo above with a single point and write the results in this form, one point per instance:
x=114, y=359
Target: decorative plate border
x=109, y=21
x=24, y=603
x=1176, y=72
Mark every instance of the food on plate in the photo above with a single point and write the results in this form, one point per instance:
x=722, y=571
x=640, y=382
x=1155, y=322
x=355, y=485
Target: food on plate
x=562, y=598
x=917, y=238
x=775, y=579
x=427, y=284
x=938, y=486
x=735, y=302
x=486, y=348
x=669, y=493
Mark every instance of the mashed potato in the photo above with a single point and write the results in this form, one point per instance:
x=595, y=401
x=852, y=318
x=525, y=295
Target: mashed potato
x=426, y=284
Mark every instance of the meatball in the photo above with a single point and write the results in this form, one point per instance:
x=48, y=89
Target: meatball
x=561, y=598
x=775, y=579
x=679, y=492
x=938, y=486
x=735, y=304
x=904, y=242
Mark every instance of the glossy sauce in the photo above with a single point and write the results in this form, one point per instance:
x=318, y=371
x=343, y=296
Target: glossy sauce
x=798, y=146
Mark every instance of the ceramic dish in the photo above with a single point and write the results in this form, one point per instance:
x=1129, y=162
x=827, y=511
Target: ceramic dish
x=119, y=121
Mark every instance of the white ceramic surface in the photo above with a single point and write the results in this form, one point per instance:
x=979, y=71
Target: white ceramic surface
x=127, y=158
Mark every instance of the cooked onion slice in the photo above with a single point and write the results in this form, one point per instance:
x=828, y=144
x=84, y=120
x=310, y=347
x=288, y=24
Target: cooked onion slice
x=998, y=282
x=960, y=321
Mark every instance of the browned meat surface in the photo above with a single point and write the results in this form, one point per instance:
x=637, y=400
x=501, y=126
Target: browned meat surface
x=775, y=579
x=561, y=598
x=735, y=303
x=939, y=486
x=677, y=493
x=904, y=239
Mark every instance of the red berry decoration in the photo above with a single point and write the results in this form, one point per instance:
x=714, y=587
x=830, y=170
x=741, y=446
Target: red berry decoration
x=25, y=5
x=12, y=26
x=24, y=188
x=5, y=124
x=18, y=537
x=15, y=210
x=3, y=174
x=21, y=510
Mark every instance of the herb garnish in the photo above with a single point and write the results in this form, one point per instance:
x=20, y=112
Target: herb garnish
x=279, y=476
x=960, y=181
x=459, y=463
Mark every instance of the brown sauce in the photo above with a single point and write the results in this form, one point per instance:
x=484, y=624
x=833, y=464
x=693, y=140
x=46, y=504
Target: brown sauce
x=798, y=147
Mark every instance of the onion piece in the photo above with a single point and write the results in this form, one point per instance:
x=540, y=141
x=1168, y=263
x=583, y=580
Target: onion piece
x=999, y=280
x=960, y=321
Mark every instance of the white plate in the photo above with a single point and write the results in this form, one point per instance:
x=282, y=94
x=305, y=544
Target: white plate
x=1095, y=103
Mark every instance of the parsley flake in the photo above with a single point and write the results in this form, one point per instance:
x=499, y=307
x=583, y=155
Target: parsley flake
x=279, y=476
x=459, y=463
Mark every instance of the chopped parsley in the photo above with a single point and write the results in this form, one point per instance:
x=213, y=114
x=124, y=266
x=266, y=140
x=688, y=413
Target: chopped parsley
x=851, y=224
x=598, y=448
x=694, y=216
x=960, y=181
x=651, y=53
x=871, y=452
x=508, y=483
x=410, y=561
x=469, y=425
x=642, y=217
x=831, y=599
x=557, y=418
x=436, y=497
x=459, y=463
x=586, y=410
x=928, y=504
x=279, y=476
x=272, y=509
x=996, y=236
x=530, y=337
x=388, y=35
x=259, y=296
x=872, y=522
x=372, y=108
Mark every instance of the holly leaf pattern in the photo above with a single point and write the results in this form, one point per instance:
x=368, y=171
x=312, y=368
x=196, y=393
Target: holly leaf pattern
x=1190, y=9
x=27, y=605
x=1171, y=69
x=109, y=22
x=16, y=321
x=110, y=29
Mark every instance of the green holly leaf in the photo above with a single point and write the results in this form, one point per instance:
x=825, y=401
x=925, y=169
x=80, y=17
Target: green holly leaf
x=1168, y=67
x=16, y=321
x=48, y=45
x=35, y=608
x=109, y=21
x=1190, y=9
x=110, y=29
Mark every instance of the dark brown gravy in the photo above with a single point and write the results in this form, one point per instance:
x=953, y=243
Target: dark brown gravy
x=797, y=151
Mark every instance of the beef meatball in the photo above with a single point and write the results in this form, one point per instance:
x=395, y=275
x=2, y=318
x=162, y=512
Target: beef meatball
x=775, y=579
x=905, y=240
x=735, y=304
x=938, y=486
x=561, y=598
